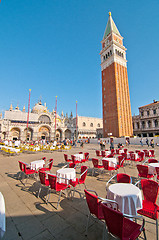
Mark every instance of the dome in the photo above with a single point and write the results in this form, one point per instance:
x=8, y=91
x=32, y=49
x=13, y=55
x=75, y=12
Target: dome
x=39, y=108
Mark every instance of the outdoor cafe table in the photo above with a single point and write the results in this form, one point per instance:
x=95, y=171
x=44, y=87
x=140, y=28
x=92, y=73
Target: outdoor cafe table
x=127, y=195
x=68, y=173
x=107, y=152
x=152, y=168
x=112, y=161
x=37, y=164
x=2, y=216
x=78, y=156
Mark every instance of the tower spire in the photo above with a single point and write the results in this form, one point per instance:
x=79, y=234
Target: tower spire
x=111, y=27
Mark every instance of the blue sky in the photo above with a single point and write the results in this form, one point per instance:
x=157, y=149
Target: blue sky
x=53, y=46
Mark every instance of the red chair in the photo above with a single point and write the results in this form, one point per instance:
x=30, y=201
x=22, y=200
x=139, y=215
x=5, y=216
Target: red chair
x=24, y=167
x=81, y=179
x=44, y=158
x=117, y=151
x=152, y=160
x=110, y=156
x=157, y=172
x=103, y=154
x=75, y=161
x=80, y=152
x=67, y=159
x=58, y=187
x=120, y=226
x=72, y=165
x=141, y=156
x=120, y=178
x=150, y=208
x=96, y=165
x=152, y=153
x=44, y=182
x=125, y=150
x=86, y=157
x=94, y=205
x=107, y=167
x=143, y=171
x=48, y=166
x=120, y=162
x=98, y=153
x=112, y=152
x=147, y=154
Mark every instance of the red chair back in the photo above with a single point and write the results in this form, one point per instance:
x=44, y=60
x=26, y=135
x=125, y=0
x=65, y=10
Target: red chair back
x=141, y=155
x=114, y=221
x=95, y=162
x=120, y=161
x=147, y=154
x=21, y=166
x=80, y=152
x=66, y=157
x=125, y=150
x=117, y=151
x=44, y=158
x=150, y=190
x=132, y=156
x=52, y=181
x=105, y=164
x=83, y=169
x=50, y=163
x=143, y=170
x=110, y=156
x=94, y=204
x=112, y=152
x=73, y=159
x=152, y=153
x=98, y=153
x=123, y=178
x=86, y=156
x=42, y=176
x=103, y=153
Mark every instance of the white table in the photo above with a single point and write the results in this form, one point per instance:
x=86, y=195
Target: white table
x=68, y=173
x=112, y=161
x=121, y=151
x=37, y=164
x=78, y=156
x=127, y=195
x=107, y=153
x=2, y=216
x=136, y=155
x=152, y=166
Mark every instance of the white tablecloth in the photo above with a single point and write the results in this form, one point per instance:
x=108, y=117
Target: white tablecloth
x=127, y=195
x=108, y=153
x=37, y=164
x=79, y=156
x=121, y=151
x=2, y=216
x=152, y=169
x=136, y=155
x=112, y=161
x=68, y=173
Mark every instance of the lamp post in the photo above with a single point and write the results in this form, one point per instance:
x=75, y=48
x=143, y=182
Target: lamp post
x=28, y=112
x=55, y=115
x=76, y=121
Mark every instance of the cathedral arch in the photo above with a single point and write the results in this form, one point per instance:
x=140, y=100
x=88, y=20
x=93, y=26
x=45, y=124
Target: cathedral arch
x=45, y=119
x=44, y=132
x=15, y=133
x=67, y=133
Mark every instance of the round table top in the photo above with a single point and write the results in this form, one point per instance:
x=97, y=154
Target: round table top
x=124, y=189
x=153, y=164
x=66, y=170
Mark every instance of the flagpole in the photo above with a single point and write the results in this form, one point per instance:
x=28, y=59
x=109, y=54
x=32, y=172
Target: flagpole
x=28, y=111
x=76, y=121
x=55, y=115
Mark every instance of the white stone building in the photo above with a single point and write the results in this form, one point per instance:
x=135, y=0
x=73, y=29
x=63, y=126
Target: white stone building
x=41, y=125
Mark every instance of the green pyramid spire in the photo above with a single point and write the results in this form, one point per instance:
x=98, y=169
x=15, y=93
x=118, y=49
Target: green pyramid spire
x=111, y=27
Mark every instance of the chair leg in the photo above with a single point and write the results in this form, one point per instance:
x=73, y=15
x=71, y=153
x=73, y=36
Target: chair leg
x=157, y=229
x=39, y=192
x=144, y=234
x=87, y=223
x=93, y=172
x=48, y=195
x=59, y=199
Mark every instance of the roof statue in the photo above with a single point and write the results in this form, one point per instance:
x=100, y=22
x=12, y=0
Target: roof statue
x=11, y=107
x=111, y=27
x=23, y=109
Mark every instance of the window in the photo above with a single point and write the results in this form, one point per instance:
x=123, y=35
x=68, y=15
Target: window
x=156, y=123
x=98, y=124
x=110, y=52
x=84, y=124
x=143, y=124
x=142, y=114
x=91, y=125
x=148, y=113
x=149, y=124
x=154, y=111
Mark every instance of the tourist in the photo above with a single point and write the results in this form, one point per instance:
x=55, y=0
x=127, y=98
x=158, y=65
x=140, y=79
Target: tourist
x=152, y=143
x=111, y=144
x=147, y=142
x=141, y=142
x=81, y=144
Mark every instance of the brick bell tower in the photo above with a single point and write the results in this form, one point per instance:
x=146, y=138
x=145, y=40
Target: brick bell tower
x=117, y=117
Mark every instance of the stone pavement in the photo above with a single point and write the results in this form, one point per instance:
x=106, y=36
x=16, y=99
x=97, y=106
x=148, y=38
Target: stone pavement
x=30, y=218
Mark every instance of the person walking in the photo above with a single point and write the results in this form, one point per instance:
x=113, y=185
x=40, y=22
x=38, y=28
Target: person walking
x=147, y=142
x=111, y=144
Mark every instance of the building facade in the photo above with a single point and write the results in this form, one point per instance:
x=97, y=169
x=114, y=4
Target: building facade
x=41, y=125
x=146, y=124
x=117, y=119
